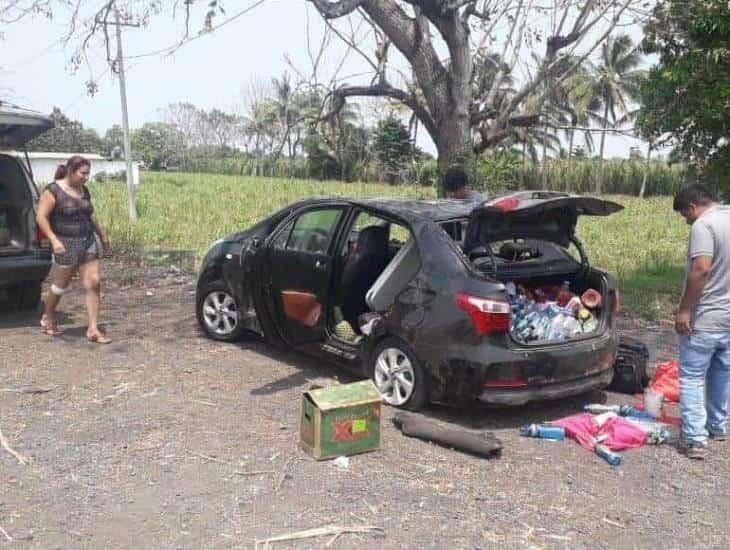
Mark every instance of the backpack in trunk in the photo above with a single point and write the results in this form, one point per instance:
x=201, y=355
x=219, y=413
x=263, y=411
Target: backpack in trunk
x=629, y=371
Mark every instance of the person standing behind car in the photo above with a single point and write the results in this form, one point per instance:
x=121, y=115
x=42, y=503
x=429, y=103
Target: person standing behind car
x=703, y=321
x=66, y=216
x=456, y=186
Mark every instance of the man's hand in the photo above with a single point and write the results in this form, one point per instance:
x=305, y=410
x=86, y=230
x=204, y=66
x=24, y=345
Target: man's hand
x=681, y=323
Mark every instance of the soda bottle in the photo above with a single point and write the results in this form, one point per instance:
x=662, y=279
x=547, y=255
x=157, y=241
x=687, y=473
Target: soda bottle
x=543, y=431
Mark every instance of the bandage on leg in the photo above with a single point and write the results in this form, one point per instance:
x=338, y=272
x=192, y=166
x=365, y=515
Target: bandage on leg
x=58, y=291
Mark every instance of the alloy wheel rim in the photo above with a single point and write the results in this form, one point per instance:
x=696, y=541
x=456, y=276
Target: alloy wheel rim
x=220, y=313
x=394, y=376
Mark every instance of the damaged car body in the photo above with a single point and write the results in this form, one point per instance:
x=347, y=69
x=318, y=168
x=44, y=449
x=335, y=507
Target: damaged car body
x=419, y=295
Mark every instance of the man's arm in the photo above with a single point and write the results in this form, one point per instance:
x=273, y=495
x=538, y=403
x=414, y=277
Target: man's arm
x=701, y=248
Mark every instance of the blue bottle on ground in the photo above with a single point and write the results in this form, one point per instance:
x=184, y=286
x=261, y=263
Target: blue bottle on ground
x=543, y=431
x=608, y=455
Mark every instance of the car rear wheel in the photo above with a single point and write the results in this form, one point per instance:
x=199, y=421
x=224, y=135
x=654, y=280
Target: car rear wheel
x=218, y=313
x=398, y=375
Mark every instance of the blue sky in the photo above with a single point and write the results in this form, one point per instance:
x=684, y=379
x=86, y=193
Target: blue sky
x=212, y=71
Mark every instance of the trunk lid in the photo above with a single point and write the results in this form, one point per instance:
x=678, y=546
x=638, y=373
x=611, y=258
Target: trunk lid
x=542, y=215
x=19, y=126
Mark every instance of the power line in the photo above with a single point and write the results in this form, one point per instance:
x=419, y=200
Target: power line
x=185, y=41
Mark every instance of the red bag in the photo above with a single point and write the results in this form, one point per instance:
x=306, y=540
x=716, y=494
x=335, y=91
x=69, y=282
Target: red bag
x=666, y=380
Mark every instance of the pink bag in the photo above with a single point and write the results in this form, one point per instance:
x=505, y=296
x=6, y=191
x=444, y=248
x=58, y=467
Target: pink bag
x=619, y=433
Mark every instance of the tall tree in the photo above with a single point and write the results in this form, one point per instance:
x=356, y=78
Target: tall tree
x=447, y=106
x=114, y=142
x=68, y=136
x=618, y=82
x=438, y=40
x=392, y=145
x=686, y=98
x=158, y=145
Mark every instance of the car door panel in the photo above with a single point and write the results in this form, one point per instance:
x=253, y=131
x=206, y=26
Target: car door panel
x=298, y=272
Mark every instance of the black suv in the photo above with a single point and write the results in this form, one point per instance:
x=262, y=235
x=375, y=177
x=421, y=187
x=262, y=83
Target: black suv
x=25, y=253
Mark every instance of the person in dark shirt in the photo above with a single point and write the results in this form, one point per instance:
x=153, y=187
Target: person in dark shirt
x=456, y=186
x=66, y=216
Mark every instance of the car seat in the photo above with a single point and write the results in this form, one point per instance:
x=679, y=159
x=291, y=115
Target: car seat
x=363, y=267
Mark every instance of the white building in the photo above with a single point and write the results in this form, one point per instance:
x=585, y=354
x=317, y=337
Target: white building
x=44, y=166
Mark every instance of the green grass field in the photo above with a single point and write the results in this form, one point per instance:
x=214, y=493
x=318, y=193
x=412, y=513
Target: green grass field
x=643, y=246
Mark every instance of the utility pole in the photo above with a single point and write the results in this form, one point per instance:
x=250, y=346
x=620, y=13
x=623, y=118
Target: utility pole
x=125, y=118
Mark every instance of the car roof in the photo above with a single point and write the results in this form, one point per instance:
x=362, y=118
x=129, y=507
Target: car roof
x=408, y=209
x=436, y=210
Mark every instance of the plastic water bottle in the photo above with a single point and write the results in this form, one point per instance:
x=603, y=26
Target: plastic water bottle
x=543, y=431
x=607, y=454
x=573, y=327
x=596, y=408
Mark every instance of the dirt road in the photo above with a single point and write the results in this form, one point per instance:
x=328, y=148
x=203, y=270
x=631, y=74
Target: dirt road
x=164, y=439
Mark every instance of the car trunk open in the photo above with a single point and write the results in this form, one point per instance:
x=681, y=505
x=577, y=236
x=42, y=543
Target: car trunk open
x=17, y=192
x=16, y=207
x=19, y=126
x=522, y=240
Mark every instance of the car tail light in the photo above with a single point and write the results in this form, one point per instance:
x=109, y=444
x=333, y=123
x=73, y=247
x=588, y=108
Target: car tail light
x=41, y=237
x=506, y=204
x=488, y=315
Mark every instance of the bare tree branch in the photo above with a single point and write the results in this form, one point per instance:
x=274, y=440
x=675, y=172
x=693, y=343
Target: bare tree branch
x=334, y=10
x=383, y=90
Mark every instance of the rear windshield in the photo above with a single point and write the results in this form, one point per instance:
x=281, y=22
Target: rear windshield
x=511, y=255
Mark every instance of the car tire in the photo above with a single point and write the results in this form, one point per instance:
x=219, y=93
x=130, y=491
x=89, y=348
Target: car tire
x=406, y=389
x=217, y=312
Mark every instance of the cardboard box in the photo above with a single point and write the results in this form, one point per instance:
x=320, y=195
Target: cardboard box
x=340, y=420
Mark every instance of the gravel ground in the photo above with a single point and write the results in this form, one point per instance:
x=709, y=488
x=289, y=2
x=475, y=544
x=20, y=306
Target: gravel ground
x=165, y=439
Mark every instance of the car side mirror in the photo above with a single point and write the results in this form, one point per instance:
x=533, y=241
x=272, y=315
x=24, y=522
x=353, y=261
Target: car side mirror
x=478, y=252
x=255, y=243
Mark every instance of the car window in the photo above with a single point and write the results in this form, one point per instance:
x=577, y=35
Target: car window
x=456, y=229
x=397, y=234
x=313, y=230
x=283, y=237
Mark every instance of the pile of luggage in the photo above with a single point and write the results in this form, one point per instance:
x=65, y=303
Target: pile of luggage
x=552, y=313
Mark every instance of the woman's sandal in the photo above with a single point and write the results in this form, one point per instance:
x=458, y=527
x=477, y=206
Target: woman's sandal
x=50, y=327
x=99, y=338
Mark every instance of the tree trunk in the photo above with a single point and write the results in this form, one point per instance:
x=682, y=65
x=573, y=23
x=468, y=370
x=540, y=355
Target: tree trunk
x=454, y=146
x=642, y=192
x=523, y=179
x=599, y=181
x=569, y=180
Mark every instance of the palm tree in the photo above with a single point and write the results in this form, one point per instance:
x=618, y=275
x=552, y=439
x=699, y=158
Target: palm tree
x=617, y=83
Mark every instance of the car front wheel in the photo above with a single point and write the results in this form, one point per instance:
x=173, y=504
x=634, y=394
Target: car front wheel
x=218, y=313
x=398, y=375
